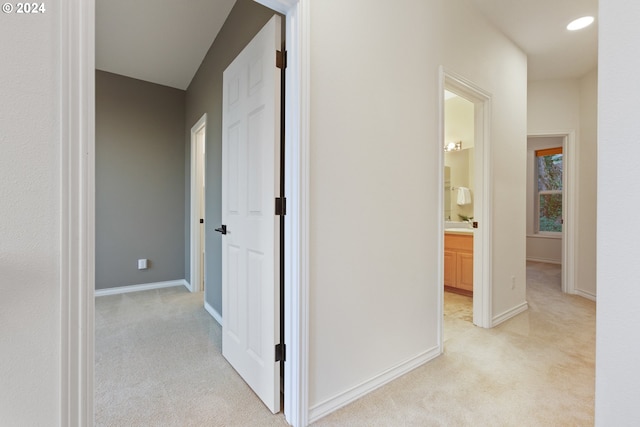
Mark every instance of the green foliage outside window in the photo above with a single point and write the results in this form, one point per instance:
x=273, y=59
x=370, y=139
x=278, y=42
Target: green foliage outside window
x=551, y=212
x=550, y=193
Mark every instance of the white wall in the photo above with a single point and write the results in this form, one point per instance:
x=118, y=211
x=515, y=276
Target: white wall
x=375, y=175
x=29, y=220
x=374, y=192
x=617, y=334
x=587, y=187
x=459, y=121
x=570, y=105
x=553, y=105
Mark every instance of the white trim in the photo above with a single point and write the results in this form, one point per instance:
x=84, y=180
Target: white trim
x=297, y=190
x=482, y=254
x=441, y=218
x=284, y=7
x=544, y=260
x=570, y=185
x=297, y=147
x=545, y=236
x=141, y=287
x=212, y=311
x=585, y=294
x=510, y=313
x=77, y=216
x=342, y=399
x=194, y=211
x=77, y=97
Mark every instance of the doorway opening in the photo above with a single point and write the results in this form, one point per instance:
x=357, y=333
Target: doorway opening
x=459, y=195
x=77, y=52
x=465, y=113
x=552, y=240
x=198, y=170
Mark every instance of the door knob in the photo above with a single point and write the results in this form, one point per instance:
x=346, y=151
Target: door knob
x=222, y=229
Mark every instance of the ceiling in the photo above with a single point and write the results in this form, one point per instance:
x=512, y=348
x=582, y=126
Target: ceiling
x=160, y=41
x=165, y=41
x=538, y=27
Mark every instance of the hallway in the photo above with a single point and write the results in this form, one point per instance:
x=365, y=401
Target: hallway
x=158, y=363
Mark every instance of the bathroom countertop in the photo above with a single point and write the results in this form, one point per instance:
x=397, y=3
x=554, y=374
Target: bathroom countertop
x=459, y=230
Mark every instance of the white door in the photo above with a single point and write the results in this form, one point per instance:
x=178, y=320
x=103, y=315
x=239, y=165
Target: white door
x=200, y=176
x=250, y=184
x=197, y=268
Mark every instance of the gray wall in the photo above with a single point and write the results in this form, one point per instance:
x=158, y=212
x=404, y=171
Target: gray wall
x=204, y=95
x=140, y=181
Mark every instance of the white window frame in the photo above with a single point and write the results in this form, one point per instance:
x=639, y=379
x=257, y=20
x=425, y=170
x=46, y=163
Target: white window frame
x=538, y=193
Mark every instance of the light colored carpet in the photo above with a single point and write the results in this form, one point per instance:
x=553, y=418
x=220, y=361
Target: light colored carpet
x=534, y=370
x=537, y=369
x=158, y=363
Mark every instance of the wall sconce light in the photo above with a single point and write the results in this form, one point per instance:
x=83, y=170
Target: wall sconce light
x=453, y=146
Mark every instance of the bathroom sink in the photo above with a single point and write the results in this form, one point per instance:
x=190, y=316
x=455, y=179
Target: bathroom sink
x=459, y=230
x=457, y=224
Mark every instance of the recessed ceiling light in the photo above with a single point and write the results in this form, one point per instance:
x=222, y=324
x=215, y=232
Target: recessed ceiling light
x=580, y=23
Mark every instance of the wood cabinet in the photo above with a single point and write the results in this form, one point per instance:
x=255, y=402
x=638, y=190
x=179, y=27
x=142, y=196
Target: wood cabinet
x=458, y=263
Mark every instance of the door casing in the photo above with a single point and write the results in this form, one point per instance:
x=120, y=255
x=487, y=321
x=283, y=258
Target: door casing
x=569, y=203
x=482, y=289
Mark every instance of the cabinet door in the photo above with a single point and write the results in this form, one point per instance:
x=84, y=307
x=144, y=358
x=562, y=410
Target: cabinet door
x=464, y=271
x=450, y=268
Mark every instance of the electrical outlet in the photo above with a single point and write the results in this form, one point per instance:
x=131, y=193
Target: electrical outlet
x=513, y=282
x=142, y=264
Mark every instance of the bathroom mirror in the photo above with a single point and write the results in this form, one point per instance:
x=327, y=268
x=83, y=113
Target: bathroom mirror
x=447, y=193
x=458, y=185
x=459, y=157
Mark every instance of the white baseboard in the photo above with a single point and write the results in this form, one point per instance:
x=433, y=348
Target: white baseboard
x=585, y=294
x=213, y=313
x=509, y=314
x=333, y=404
x=188, y=285
x=142, y=287
x=547, y=261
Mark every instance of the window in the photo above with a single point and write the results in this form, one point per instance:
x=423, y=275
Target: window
x=549, y=190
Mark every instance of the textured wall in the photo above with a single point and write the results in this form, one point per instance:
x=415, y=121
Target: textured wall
x=588, y=186
x=617, y=343
x=29, y=220
x=140, y=185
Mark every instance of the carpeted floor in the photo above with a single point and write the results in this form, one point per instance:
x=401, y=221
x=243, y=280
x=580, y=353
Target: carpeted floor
x=158, y=363
x=536, y=369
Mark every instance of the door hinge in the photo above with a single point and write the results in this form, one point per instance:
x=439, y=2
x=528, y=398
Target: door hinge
x=281, y=59
x=201, y=220
x=281, y=353
x=281, y=206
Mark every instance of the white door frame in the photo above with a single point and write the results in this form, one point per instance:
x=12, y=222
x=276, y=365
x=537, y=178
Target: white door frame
x=569, y=203
x=482, y=289
x=196, y=240
x=77, y=181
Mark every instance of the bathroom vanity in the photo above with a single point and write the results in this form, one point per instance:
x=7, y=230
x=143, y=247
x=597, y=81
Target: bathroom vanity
x=458, y=261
